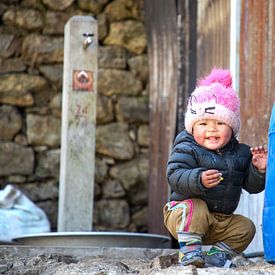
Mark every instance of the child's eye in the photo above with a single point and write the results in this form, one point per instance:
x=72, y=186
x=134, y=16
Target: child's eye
x=202, y=123
x=221, y=123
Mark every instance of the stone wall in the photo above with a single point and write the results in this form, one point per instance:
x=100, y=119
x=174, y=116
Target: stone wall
x=31, y=70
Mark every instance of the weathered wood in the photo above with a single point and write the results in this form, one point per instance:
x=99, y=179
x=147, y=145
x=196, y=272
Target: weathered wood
x=78, y=125
x=187, y=47
x=161, y=24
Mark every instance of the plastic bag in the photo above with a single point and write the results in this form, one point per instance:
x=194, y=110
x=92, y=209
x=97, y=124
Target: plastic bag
x=19, y=215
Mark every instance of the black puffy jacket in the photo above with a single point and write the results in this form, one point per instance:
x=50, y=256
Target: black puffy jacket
x=188, y=160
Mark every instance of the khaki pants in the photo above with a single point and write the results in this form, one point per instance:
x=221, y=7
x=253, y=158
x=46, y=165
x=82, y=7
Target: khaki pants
x=193, y=216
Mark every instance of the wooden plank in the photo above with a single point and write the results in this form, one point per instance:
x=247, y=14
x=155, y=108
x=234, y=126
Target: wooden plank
x=161, y=24
x=187, y=63
x=78, y=125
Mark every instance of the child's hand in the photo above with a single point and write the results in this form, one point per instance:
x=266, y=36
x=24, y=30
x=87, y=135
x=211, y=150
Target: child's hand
x=259, y=158
x=211, y=178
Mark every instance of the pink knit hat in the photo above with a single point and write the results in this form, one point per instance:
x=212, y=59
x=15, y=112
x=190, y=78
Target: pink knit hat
x=214, y=98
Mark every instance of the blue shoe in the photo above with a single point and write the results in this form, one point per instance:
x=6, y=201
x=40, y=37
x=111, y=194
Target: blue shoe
x=218, y=258
x=191, y=255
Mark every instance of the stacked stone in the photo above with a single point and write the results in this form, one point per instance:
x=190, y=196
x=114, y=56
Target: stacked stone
x=31, y=70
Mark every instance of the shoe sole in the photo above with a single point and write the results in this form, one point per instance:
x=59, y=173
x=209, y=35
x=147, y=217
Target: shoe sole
x=197, y=262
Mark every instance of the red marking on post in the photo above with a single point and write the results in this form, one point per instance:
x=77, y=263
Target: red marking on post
x=83, y=81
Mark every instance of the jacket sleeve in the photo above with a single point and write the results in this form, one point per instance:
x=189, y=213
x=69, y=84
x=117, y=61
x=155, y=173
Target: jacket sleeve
x=183, y=175
x=255, y=181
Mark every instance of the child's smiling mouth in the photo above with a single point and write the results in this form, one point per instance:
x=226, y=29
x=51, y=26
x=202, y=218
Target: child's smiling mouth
x=213, y=138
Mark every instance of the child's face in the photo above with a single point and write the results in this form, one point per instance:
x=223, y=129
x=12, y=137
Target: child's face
x=212, y=134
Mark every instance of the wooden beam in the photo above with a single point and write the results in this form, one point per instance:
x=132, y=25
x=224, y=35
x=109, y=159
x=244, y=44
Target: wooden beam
x=161, y=24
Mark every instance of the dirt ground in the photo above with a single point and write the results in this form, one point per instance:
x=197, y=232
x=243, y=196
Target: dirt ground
x=19, y=261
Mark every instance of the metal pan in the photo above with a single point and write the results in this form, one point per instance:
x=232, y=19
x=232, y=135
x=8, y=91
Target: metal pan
x=95, y=239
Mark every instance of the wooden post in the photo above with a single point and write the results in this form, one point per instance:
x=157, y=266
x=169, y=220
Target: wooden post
x=76, y=185
x=161, y=21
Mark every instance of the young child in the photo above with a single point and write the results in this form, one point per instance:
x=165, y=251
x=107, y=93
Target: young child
x=206, y=171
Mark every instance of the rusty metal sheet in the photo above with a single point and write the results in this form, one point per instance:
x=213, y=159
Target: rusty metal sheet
x=257, y=69
x=213, y=45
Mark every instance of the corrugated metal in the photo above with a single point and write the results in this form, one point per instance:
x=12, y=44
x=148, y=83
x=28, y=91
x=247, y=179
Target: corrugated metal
x=251, y=206
x=257, y=81
x=257, y=53
x=257, y=68
x=213, y=45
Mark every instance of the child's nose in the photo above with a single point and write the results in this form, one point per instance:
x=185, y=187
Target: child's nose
x=212, y=127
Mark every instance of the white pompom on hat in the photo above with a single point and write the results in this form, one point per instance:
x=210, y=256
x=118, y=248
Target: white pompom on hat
x=214, y=98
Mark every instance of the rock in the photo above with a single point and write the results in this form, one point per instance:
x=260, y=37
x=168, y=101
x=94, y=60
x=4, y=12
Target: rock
x=48, y=164
x=127, y=173
x=104, y=110
x=10, y=122
x=17, y=89
x=176, y=269
x=43, y=130
x=113, y=213
x=131, y=173
x=37, y=49
x=55, y=22
x=140, y=219
x=58, y=5
x=129, y=34
x=97, y=192
x=15, y=159
x=54, y=73
x=139, y=67
x=12, y=65
x=111, y=82
x=3, y=8
x=119, y=10
x=28, y=19
x=132, y=109
x=139, y=194
x=14, y=179
x=103, y=27
x=112, y=57
x=166, y=261
x=3, y=268
x=41, y=191
x=21, y=139
x=242, y=261
x=101, y=170
x=94, y=6
x=112, y=189
x=113, y=140
x=8, y=45
x=56, y=105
